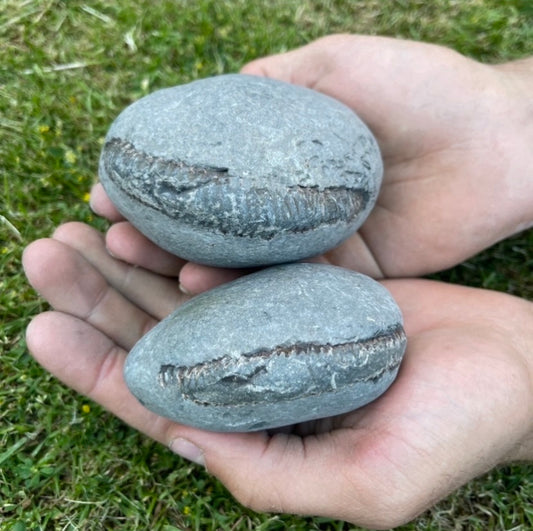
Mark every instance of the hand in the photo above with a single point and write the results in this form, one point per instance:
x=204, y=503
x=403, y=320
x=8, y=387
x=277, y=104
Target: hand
x=456, y=139
x=462, y=402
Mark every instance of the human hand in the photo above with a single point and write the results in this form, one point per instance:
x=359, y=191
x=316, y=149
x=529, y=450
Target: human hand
x=462, y=402
x=456, y=139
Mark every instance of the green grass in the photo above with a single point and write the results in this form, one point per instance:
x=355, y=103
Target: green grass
x=66, y=70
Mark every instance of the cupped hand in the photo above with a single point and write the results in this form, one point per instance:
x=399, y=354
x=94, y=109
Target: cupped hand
x=455, y=136
x=462, y=402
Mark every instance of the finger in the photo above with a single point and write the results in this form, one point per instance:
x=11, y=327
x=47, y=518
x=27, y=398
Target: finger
x=72, y=285
x=125, y=242
x=421, y=302
x=355, y=254
x=316, y=475
x=102, y=205
x=197, y=278
x=157, y=295
x=91, y=363
x=343, y=67
x=88, y=361
x=301, y=66
x=128, y=244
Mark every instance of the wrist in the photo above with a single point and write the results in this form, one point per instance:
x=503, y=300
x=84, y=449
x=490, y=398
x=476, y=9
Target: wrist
x=518, y=75
x=523, y=331
x=523, y=451
x=515, y=82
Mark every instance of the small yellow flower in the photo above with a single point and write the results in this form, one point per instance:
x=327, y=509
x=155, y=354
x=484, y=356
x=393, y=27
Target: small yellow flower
x=70, y=156
x=224, y=31
x=86, y=197
x=86, y=408
x=186, y=510
x=43, y=129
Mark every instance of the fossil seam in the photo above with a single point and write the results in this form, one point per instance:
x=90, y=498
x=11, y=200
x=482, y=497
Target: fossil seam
x=200, y=195
x=200, y=380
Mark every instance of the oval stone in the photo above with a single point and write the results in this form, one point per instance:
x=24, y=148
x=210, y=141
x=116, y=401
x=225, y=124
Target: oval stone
x=238, y=170
x=284, y=345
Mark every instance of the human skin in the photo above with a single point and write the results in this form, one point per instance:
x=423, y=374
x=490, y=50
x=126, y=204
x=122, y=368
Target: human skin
x=461, y=404
x=457, y=179
x=456, y=139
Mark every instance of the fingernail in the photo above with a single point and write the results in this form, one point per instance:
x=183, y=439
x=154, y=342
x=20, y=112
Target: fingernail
x=187, y=450
x=112, y=255
x=183, y=289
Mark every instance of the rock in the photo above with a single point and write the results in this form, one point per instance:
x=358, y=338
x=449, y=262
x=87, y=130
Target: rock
x=239, y=171
x=280, y=346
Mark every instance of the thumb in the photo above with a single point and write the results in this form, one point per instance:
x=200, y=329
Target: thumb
x=344, y=67
x=303, y=66
x=285, y=473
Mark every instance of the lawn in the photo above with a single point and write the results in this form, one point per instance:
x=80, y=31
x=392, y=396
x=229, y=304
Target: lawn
x=67, y=68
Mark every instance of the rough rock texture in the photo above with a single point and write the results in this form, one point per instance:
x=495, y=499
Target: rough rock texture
x=284, y=345
x=237, y=170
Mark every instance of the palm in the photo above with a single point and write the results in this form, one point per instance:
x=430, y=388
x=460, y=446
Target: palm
x=441, y=120
x=433, y=411
x=450, y=399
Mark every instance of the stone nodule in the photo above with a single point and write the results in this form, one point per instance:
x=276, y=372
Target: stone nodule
x=284, y=345
x=241, y=171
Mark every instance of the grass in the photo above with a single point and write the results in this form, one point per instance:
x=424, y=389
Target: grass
x=67, y=69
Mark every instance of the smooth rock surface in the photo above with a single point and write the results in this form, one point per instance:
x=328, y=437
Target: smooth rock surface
x=239, y=171
x=284, y=345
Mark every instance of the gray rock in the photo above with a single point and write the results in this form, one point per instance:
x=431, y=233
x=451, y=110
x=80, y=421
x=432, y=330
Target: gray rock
x=284, y=345
x=239, y=171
